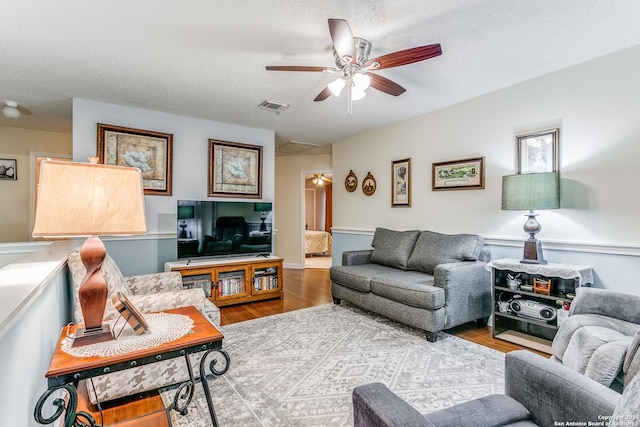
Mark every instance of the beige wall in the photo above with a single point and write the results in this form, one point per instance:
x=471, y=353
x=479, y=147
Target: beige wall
x=289, y=203
x=15, y=208
x=595, y=105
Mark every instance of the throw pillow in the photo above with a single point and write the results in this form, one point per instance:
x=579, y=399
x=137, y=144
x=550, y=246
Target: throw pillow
x=432, y=249
x=392, y=248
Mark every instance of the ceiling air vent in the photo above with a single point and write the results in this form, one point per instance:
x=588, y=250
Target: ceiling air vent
x=274, y=106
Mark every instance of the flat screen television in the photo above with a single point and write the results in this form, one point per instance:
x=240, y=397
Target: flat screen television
x=208, y=228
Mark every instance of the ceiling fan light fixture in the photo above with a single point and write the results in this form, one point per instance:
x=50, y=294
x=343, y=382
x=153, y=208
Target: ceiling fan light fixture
x=10, y=110
x=361, y=82
x=357, y=94
x=336, y=86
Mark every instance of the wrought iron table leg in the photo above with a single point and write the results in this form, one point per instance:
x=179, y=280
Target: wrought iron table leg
x=184, y=392
x=214, y=371
x=72, y=418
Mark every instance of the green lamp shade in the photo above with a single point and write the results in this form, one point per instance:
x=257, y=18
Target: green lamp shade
x=532, y=191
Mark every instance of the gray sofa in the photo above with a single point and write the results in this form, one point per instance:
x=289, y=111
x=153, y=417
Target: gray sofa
x=427, y=280
x=538, y=391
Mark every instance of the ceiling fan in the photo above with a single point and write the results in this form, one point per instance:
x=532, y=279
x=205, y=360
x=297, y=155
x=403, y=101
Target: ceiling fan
x=320, y=179
x=355, y=68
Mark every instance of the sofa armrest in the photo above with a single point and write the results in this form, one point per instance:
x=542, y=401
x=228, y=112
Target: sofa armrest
x=169, y=300
x=554, y=393
x=356, y=257
x=153, y=283
x=467, y=286
x=374, y=405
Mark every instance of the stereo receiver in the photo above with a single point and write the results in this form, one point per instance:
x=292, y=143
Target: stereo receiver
x=533, y=309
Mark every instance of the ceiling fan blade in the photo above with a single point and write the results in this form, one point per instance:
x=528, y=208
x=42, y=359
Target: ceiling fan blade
x=294, y=68
x=323, y=95
x=385, y=85
x=342, y=39
x=407, y=56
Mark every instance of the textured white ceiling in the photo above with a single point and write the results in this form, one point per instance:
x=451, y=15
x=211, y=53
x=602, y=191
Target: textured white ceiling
x=206, y=58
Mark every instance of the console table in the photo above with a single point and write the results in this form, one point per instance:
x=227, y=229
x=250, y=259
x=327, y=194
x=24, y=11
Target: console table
x=524, y=327
x=66, y=371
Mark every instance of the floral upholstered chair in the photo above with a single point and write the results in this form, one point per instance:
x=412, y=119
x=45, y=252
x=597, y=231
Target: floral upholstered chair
x=148, y=293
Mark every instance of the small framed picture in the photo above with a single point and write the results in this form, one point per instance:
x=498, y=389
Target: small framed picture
x=8, y=170
x=147, y=150
x=351, y=182
x=235, y=170
x=369, y=184
x=538, y=152
x=465, y=174
x=401, y=183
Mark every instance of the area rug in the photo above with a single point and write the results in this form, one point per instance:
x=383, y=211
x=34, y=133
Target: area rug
x=299, y=369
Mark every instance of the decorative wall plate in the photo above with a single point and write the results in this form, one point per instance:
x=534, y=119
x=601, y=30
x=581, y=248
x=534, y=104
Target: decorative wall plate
x=351, y=182
x=369, y=184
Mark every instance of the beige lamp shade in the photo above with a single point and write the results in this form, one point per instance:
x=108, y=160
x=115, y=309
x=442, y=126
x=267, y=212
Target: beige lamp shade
x=85, y=199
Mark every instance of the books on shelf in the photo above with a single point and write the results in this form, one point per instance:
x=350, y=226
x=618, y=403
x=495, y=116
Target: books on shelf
x=199, y=281
x=231, y=283
x=266, y=279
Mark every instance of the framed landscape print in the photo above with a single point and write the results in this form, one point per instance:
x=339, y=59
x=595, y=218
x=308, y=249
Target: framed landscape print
x=401, y=183
x=538, y=152
x=465, y=174
x=235, y=170
x=149, y=151
x=8, y=170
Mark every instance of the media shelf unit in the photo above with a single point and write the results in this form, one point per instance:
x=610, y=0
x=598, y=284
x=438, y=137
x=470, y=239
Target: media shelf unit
x=231, y=281
x=525, y=330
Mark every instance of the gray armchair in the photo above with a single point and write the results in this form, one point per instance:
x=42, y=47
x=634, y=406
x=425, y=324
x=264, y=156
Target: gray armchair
x=598, y=335
x=538, y=391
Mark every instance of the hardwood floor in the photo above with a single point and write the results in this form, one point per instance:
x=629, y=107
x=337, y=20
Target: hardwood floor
x=311, y=287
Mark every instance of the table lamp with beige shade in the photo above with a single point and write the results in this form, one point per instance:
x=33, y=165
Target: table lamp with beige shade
x=89, y=199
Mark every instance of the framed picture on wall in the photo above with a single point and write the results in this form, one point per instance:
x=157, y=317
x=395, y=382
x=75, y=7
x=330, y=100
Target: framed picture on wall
x=465, y=174
x=8, y=170
x=538, y=152
x=235, y=169
x=401, y=183
x=149, y=151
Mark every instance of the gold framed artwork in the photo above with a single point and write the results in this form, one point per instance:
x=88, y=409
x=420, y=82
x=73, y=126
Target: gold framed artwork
x=235, y=169
x=369, y=184
x=147, y=150
x=401, y=183
x=351, y=182
x=464, y=174
x=538, y=152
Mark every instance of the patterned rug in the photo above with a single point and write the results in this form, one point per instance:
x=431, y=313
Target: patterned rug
x=299, y=368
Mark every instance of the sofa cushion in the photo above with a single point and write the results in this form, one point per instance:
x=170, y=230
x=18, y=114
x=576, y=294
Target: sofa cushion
x=432, y=249
x=409, y=288
x=392, y=248
x=359, y=276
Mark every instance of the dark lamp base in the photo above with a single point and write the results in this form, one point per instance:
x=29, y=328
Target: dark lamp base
x=533, y=252
x=91, y=336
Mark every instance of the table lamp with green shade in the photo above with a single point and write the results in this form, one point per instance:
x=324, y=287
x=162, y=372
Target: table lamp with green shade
x=531, y=191
x=88, y=199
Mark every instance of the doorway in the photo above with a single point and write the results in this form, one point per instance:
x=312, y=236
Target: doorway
x=317, y=219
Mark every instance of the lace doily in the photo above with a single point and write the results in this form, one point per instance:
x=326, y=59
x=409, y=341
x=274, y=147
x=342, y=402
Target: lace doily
x=583, y=273
x=163, y=328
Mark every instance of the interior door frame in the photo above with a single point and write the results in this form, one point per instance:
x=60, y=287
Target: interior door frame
x=302, y=206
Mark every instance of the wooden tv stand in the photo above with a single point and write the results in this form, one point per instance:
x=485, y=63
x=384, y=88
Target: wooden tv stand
x=228, y=281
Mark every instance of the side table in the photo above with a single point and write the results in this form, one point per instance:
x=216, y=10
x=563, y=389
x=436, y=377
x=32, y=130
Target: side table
x=66, y=371
x=524, y=315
